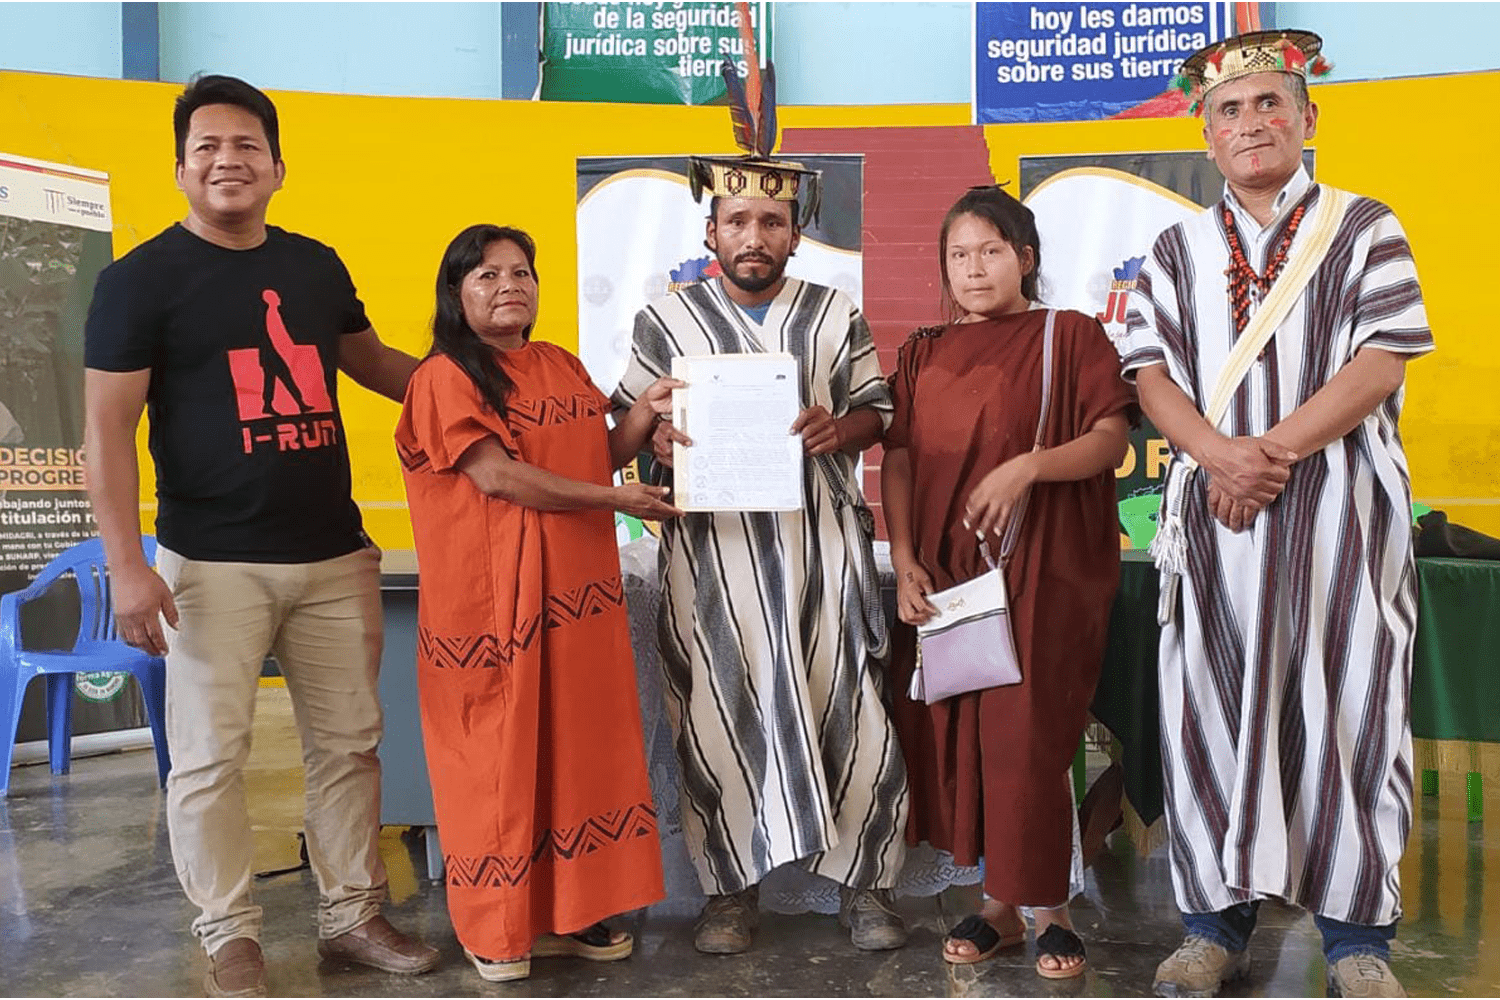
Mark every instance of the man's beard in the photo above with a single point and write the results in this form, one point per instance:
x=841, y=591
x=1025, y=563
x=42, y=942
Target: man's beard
x=750, y=283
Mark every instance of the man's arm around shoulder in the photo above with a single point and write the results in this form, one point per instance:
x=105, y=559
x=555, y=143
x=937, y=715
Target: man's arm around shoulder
x=376, y=365
x=114, y=402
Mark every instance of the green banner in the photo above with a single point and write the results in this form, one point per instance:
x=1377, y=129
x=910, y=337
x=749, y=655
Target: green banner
x=644, y=53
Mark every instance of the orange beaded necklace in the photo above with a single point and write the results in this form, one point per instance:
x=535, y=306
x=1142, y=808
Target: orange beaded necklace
x=1242, y=276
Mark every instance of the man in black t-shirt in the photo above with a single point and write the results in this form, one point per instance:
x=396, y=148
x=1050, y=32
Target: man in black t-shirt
x=231, y=332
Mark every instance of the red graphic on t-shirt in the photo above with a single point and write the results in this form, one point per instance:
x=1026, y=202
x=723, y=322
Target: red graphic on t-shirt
x=283, y=379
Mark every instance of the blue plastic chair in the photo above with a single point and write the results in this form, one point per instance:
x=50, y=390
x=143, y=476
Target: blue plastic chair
x=97, y=648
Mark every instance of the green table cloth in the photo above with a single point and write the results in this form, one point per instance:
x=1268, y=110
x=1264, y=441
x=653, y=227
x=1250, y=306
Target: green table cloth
x=1455, y=680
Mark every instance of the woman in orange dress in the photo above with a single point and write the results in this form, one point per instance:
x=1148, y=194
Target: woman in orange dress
x=987, y=769
x=527, y=685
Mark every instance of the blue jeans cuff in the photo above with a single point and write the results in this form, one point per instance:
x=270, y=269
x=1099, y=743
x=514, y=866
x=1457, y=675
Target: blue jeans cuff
x=1230, y=929
x=1340, y=952
x=1340, y=939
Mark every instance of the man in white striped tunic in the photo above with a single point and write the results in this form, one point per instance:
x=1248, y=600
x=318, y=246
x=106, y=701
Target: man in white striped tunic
x=1286, y=653
x=772, y=636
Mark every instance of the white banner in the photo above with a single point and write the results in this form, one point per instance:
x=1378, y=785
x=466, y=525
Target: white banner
x=1096, y=225
x=53, y=192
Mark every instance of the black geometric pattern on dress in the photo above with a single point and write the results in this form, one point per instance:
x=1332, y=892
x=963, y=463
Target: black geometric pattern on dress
x=584, y=602
x=496, y=871
x=413, y=459
x=469, y=652
x=529, y=414
x=475, y=652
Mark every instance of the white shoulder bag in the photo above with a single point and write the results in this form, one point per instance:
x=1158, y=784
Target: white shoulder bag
x=968, y=645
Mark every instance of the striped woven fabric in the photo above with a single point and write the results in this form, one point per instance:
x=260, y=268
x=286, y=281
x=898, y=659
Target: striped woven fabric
x=772, y=635
x=1285, y=675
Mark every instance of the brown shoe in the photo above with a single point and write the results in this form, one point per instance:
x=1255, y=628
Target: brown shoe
x=1362, y=976
x=1199, y=968
x=237, y=969
x=379, y=945
x=727, y=924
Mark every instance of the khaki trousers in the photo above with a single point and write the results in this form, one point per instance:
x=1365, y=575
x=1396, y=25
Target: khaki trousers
x=322, y=621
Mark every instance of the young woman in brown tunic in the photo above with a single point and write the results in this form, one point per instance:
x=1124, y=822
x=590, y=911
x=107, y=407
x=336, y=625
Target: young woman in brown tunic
x=988, y=769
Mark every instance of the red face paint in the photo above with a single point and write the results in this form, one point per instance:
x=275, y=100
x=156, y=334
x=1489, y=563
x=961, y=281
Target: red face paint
x=1224, y=133
x=1279, y=123
x=1255, y=160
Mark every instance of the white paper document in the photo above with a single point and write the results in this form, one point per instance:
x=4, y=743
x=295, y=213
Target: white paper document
x=739, y=410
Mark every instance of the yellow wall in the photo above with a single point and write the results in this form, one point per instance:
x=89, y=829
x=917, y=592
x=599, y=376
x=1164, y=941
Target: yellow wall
x=388, y=181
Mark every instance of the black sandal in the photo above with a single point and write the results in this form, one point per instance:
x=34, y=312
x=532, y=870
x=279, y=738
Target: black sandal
x=982, y=935
x=1060, y=942
x=597, y=936
x=596, y=943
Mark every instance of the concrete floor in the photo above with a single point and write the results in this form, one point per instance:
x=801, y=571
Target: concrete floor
x=90, y=906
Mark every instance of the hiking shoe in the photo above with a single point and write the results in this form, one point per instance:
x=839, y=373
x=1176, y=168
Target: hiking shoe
x=1363, y=975
x=870, y=915
x=727, y=924
x=1199, y=968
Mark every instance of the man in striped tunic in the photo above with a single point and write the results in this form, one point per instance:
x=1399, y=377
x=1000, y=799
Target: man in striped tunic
x=772, y=637
x=1286, y=653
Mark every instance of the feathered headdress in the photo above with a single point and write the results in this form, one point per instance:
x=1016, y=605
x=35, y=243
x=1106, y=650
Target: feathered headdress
x=752, y=112
x=1277, y=51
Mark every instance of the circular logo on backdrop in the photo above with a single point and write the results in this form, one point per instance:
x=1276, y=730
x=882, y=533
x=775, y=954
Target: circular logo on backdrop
x=99, y=686
x=655, y=286
x=597, y=289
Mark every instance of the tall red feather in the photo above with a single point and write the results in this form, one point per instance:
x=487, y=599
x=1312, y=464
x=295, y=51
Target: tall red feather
x=752, y=57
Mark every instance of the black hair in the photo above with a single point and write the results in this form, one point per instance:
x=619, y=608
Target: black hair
x=202, y=91
x=1299, y=90
x=1013, y=220
x=451, y=333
